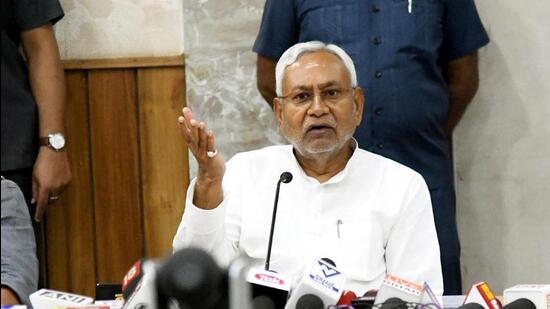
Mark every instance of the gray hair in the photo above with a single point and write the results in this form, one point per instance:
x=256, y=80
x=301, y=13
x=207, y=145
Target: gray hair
x=291, y=55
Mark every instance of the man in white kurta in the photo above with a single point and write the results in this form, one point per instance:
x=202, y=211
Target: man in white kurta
x=370, y=215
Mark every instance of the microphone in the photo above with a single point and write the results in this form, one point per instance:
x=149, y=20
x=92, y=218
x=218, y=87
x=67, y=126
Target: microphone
x=366, y=301
x=309, y=301
x=471, y=306
x=322, y=280
x=520, y=303
x=268, y=284
x=538, y=294
x=192, y=278
x=138, y=286
x=429, y=298
x=394, y=303
x=481, y=294
x=240, y=293
x=48, y=299
x=394, y=287
x=285, y=177
x=262, y=302
x=346, y=298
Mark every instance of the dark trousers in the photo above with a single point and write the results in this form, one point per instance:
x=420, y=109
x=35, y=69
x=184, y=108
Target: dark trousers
x=23, y=178
x=444, y=208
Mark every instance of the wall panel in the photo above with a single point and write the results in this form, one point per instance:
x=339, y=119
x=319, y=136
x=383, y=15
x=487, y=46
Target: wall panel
x=129, y=166
x=163, y=154
x=70, y=224
x=115, y=169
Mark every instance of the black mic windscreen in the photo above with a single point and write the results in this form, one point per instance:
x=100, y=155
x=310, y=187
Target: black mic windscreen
x=521, y=303
x=394, y=303
x=309, y=301
x=192, y=277
x=286, y=177
x=471, y=306
x=262, y=302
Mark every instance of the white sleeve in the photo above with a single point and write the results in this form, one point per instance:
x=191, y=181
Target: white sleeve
x=412, y=250
x=217, y=230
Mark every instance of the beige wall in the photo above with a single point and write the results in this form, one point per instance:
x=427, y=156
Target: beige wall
x=502, y=151
x=120, y=28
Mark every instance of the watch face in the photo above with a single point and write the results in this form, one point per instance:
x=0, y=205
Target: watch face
x=57, y=141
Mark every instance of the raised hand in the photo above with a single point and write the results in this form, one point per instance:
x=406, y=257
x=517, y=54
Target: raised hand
x=208, y=191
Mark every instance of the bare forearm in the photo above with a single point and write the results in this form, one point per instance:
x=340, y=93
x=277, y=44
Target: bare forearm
x=9, y=297
x=51, y=171
x=463, y=82
x=208, y=194
x=459, y=101
x=47, y=78
x=265, y=78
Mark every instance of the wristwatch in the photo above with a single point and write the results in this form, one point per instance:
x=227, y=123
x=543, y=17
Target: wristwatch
x=55, y=141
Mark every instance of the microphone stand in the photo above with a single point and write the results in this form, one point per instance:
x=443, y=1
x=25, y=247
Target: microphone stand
x=286, y=177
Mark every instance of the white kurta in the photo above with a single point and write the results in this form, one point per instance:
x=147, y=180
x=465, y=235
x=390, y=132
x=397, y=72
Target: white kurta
x=373, y=218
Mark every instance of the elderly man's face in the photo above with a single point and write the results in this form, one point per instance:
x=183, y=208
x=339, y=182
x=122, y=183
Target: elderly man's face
x=318, y=111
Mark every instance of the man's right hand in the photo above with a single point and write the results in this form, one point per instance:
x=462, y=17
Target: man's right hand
x=208, y=187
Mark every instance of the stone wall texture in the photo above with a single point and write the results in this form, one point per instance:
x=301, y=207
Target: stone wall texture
x=221, y=74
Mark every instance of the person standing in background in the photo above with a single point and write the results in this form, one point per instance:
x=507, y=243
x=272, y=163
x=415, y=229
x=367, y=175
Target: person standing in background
x=33, y=104
x=417, y=63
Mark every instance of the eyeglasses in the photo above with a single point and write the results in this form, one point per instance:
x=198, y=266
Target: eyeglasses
x=331, y=96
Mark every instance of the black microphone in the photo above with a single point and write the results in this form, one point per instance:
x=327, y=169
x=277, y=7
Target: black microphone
x=139, y=286
x=267, y=283
x=471, y=306
x=263, y=302
x=520, y=303
x=394, y=303
x=309, y=301
x=286, y=177
x=193, y=279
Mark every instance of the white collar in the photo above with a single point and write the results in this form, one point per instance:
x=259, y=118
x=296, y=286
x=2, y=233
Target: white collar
x=334, y=179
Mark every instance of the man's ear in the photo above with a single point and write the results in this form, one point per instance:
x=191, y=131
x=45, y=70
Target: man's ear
x=359, y=101
x=278, y=109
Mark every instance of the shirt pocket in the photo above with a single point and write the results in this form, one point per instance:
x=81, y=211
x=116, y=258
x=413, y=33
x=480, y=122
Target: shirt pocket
x=330, y=21
x=421, y=29
x=361, y=250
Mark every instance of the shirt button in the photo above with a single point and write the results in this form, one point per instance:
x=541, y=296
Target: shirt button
x=375, y=8
x=378, y=74
x=378, y=111
x=377, y=40
x=380, y=146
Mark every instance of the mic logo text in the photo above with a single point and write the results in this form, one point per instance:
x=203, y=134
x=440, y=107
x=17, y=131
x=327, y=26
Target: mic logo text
x=328, y=271
x=269, y=279
x=323, y=282
x=63, y=296
x=131, y=274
